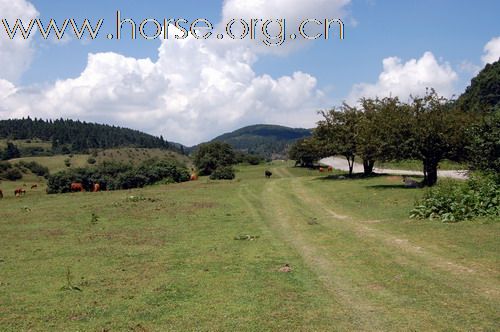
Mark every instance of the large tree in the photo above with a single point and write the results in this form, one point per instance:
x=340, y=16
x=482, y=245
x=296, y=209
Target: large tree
x=337, y=133
x=211, y=156
x=305, y=152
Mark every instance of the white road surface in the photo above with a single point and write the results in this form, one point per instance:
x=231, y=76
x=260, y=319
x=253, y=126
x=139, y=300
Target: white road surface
x=341, y=163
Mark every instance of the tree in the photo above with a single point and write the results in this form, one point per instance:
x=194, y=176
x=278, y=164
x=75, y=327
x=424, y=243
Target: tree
x=484, y=146
x=429, y=129
x=210, y=156
x=11, y=152
x=337, y=133
x=305, y=152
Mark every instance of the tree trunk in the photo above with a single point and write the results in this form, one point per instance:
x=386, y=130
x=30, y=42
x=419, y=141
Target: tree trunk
x=368, y=166
x=430, y=173
x=350, y=161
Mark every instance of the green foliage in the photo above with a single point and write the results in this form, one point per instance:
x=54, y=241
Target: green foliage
x=483, y=94
x=211, y=156
x=35, y=168
x=76, y=136
x=67, y=162
x=223, y=173
x=114, y=176
x=305, y=152
x=12, y=174
x=484, y=145
x=91, y=160
x=453, y=201
x=10, y=152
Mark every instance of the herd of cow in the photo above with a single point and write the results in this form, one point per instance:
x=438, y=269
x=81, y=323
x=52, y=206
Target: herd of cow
x=18, y=192
x=77, y=186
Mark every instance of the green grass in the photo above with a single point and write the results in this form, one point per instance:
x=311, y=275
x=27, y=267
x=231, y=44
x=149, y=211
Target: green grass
x=168, y=260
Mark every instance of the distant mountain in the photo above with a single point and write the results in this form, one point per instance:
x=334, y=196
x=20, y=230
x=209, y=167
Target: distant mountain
x=270, y=141
x=76, y=136
x=483, y=94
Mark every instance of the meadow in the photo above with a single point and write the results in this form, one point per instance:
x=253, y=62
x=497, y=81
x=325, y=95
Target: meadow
x=301, y=251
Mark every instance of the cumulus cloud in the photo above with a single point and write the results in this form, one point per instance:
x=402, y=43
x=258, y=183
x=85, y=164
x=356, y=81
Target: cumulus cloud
x=193, y=92
x=401, y=80
x=293, y=11
x=491, y=51
x=17, y=53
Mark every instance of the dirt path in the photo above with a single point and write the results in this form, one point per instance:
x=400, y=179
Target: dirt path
x=341, y=163
x=360, y=265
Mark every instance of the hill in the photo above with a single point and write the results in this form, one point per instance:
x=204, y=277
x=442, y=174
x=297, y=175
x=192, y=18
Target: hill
x=42, y=137
x=270, y=141
x=483, y=94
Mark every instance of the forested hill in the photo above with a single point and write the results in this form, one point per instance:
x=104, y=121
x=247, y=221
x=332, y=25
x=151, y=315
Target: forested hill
x=79, y=136
x=269, y=141
x=483, y=94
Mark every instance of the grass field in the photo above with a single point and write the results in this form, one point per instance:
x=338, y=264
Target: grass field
x=165, y=258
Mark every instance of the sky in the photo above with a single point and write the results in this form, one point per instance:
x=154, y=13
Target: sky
x=191, y=90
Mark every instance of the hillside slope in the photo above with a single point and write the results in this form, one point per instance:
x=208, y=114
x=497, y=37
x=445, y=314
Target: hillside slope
x=270, y=141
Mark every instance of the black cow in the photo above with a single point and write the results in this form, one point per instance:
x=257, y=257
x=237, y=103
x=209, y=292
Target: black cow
x=268, y=174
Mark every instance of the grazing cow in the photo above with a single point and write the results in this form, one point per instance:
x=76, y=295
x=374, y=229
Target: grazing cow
x=330, y=169
x=76, y=186
x=96, y=187
x=268, y=174
x=19, y=191
x=34, y=186
x=410, y=183
x=321, y=169
x=193, y=177
x=1, y=194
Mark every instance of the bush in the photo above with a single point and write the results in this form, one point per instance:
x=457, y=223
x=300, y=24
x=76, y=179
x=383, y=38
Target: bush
x=35, y=168
x=453, y=201
x=223, y=173
x=91, y=160
x=67, y=162
x=12, y=174
x=113, y=175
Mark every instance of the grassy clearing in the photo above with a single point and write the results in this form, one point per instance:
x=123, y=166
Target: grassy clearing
x=167, y=259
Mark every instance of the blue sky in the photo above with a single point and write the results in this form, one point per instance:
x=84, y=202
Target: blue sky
x=396, y=47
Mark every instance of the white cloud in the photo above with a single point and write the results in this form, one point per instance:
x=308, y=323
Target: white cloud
x=17, y=53
x=294, y=11
x=401, y=80
x=194, y=91
x=491, y=51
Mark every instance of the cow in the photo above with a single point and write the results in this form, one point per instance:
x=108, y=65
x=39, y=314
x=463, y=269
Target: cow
x=268, y=174
x=76, y=186
x=19, y=191
x=330, y=169
x=321, y=169
x=193, y=177
x=96, y=187
x=34, y=186
x=1, y=194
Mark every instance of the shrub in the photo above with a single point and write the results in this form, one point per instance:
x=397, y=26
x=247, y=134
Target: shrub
x=91, y=160
x=453, y=201
x=13, y=174
x=223, y=173
x=67, y=162
x=35, y=168
x=113, y=175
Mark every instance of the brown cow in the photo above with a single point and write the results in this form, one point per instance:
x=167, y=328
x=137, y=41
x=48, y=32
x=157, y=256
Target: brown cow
x=76, y=186
x=96, y=187
x=321, y=169
x=194, y=177
x=330, y=169
x=19, y=191
x=34, y=186
x=1, y=194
